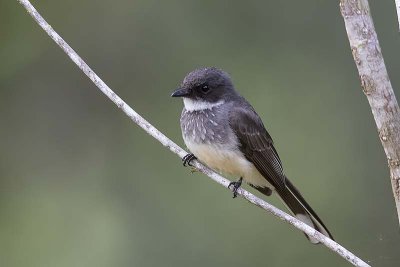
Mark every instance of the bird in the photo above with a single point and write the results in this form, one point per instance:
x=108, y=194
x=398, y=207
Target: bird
x=222, y=130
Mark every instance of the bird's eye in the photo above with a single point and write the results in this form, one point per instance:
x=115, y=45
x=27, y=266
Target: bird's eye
x=205, y=89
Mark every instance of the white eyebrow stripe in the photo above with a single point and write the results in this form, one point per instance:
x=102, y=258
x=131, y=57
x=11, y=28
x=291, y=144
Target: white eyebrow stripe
x=195, y=105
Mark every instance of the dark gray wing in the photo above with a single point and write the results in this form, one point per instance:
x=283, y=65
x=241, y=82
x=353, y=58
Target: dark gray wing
x=256, y=144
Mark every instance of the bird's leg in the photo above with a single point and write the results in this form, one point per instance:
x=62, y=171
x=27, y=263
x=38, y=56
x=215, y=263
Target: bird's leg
x=236, y=185
x=187, y=159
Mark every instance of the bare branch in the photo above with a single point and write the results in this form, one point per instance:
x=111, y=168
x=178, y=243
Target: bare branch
x=165, y=141
x=375, y=83
x=397, y=2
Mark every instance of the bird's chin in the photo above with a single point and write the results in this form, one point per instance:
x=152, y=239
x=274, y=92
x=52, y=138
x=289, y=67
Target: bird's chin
x=198, y=104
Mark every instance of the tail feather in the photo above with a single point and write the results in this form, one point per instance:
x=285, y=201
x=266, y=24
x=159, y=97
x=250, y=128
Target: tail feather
x=302, y=210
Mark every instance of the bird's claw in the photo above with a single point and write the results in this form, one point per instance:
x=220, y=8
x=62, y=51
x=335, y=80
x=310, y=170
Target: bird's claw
x=236, y=185
x=187, y=159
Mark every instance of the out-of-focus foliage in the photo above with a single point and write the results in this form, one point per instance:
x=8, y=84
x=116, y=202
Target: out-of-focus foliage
x=81, y=185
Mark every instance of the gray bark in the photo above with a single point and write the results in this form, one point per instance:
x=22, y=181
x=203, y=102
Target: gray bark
x=397, y=2
x=375, y=84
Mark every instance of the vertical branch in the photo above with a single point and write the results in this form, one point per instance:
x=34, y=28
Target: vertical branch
x=375, y=83
x=397, y=2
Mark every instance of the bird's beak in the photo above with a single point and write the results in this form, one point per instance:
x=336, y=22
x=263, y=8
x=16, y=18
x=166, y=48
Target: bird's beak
x=180, y=92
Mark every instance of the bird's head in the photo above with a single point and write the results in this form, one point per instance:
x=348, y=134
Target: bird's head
x=205, y=87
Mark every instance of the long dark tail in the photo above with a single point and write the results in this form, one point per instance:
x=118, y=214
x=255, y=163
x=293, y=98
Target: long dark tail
x=300, y=208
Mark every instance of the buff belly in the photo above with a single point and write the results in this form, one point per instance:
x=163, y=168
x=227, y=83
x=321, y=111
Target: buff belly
x=228, y=161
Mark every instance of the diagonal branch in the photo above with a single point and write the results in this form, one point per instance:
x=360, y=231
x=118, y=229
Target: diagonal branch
x=375, y=83
x=165, y=141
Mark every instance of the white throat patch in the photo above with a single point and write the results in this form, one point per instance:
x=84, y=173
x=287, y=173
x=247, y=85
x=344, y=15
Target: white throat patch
x=194, y=105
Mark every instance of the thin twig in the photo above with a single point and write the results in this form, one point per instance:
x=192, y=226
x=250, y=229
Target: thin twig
x=397, y=3
x=375, y=83
x=135, y=117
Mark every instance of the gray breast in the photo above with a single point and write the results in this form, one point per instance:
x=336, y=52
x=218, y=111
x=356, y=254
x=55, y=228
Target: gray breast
x=206, y=126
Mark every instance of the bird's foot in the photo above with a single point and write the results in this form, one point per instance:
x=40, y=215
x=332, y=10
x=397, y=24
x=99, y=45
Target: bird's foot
x=187, y=159
x=236, y=185
x=193, y=169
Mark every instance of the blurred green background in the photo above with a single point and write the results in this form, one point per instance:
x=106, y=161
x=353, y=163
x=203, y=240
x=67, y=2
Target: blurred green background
x=81, y=185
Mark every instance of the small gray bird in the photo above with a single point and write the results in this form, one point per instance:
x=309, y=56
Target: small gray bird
x=224, y=132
